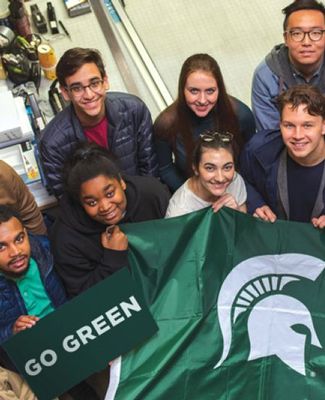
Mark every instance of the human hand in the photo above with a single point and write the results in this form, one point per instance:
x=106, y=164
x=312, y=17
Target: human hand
x=23, y=322
x=114, y=239
x=225, y=200
x=265, y=213
x=319, y=222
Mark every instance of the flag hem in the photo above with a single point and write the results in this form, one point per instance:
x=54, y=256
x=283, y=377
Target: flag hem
x=114, y=378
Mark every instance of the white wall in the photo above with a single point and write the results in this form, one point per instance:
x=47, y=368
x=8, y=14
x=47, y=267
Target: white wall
x=237, y=33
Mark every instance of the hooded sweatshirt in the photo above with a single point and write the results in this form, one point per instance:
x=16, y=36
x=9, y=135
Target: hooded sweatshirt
x=279, y=63
x=80, y=259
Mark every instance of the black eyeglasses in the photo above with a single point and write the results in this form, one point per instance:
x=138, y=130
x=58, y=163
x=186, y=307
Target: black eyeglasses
x=225, y=137
x=77, y=90
x=298, y=35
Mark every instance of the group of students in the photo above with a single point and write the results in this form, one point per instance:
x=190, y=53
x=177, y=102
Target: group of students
x=107, y=164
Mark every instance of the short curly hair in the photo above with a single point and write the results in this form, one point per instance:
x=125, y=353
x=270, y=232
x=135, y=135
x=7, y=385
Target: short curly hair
x=307, y=95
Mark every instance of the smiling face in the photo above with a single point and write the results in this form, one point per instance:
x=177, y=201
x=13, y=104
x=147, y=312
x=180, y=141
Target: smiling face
x=306, y=53
x=201, y=92
x=214, y=174
x=14, y=248
x=103, y=198
x=303, y=134
x=89, y=105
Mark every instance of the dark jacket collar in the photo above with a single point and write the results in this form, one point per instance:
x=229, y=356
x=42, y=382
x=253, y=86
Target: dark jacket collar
x=268, y=145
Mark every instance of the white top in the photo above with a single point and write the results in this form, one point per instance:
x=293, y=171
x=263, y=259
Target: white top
x=185, y=201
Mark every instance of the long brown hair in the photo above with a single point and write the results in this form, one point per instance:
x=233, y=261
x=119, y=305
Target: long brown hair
x=177, y=117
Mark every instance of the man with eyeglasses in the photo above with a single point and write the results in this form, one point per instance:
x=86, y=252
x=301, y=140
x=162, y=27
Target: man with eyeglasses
x=284, y=170
x=299, y=60
x=120, y=122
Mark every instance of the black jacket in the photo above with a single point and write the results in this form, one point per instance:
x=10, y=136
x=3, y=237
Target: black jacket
x=80, y=258
x=129, y=138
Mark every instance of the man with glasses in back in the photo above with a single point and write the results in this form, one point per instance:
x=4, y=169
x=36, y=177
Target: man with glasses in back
x=299, y=60
x=118, y=121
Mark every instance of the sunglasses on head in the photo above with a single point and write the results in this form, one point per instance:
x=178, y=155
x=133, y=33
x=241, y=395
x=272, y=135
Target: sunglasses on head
x=225, y=137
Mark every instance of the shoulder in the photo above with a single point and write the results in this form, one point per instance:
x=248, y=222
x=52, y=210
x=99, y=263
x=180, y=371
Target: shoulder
x=238, y=180
x=61, y=122
x=237, y=187
x=124, y=101
x=180, y=196
x=178, y=203
x=184, y=201
x=265, y=71
x=8, y=177
x=40, y=249
x=166, y=119
x=267, y=140
x=147, y=198
x=263, y=150
x=6, y=169
x=263, y=76
x=147, y=186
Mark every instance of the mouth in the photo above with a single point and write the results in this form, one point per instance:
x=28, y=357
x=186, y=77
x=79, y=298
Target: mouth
x=299, y=146
x=306, y=53
x=109, y=216
x=91, y=103
x=18, y=263
x=219, y=186
x=201, y=107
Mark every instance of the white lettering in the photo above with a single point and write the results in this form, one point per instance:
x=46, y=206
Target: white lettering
x=32, y=367
x=100, y=325
x=133, y=305
x=47, y=358
x=70, y=344
x=85, y=334
x=114, y=316
x=52, y=358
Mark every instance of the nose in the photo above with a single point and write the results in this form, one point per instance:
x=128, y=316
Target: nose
x=298, y=133
x=88, y=93
x=14, y=250
x=306, y=39
x=218, y=176
x=202, y=98
x=104, y=205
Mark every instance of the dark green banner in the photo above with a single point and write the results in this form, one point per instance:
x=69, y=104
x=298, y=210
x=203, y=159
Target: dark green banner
x=82, y=336
x=240, y=305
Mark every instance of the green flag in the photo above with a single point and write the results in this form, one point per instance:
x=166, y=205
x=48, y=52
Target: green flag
x=240, y=306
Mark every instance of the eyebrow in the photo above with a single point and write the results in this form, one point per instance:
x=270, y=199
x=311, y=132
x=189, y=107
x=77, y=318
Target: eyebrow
x=16, y=237
x=109, y=186
x=195, y=87
x=95, y=78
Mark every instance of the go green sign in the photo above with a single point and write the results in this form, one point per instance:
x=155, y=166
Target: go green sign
x=82, y=336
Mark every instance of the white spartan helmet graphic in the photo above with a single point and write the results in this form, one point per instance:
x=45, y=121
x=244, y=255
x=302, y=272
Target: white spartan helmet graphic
x=257, y=282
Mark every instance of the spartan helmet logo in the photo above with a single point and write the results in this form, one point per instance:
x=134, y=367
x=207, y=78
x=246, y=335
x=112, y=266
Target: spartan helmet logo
x=255, y=286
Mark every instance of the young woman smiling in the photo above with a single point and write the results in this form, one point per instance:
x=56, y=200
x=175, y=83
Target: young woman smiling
x=87, y=243
x=202, y=104
x=215, y=182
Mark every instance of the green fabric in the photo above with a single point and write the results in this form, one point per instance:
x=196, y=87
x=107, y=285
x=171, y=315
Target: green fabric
x=33, y=292
x=182, y=265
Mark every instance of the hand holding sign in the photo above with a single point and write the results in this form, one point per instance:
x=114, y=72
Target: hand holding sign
x=23, y=322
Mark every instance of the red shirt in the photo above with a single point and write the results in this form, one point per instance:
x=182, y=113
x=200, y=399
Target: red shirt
x=98, y=133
